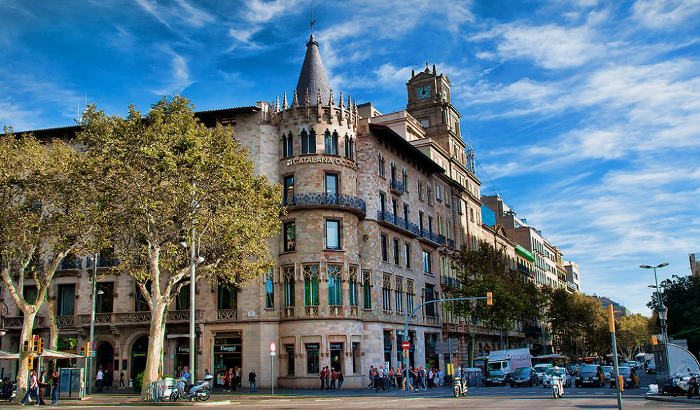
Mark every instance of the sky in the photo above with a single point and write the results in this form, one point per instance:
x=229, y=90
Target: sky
x=584, y=114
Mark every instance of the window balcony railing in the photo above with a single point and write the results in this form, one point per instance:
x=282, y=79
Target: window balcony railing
x=397, y=187
x=398, y=222
x=335, y=310
x=433, y=237
x=450, y=282
x=451, y=243
x=288, y=312
x=354, y=311
x=311, y=310
x=16, y=322
x=432, y=319
x=65, y=321
x=349, y=202
x=523, y=269
x=226, y=314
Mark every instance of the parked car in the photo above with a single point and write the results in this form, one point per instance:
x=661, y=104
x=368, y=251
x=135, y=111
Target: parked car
x=561, y=372
x=524, y=376
x=495, y=378
x=540, y=369
x=625, y=372
x=588, y=375
x=572, y=369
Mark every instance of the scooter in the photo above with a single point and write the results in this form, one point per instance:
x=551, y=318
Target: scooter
x=557, y=387
x=200, y=391
x=8, y=390
x=459, y=387
x=692, y=386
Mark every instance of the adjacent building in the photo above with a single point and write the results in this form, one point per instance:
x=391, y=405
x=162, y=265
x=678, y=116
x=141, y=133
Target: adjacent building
x=375, y=203
x=694, y=264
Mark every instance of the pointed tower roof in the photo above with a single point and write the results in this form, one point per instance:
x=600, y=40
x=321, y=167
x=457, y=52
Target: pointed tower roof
x=313, y=75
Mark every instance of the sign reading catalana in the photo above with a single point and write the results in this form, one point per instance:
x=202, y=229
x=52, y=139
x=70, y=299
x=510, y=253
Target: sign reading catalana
x=321, y=159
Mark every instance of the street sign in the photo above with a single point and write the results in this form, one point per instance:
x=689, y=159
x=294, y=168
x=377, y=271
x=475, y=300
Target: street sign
x=406, y=345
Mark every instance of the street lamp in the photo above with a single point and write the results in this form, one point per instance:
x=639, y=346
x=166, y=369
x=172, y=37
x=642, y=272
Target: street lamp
x=194, y=259
x=660, y=309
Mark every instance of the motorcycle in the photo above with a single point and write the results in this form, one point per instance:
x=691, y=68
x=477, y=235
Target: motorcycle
x=557, y=387
x=693, y=386
x=200, y=391
x=8, y=390
x=459, y=387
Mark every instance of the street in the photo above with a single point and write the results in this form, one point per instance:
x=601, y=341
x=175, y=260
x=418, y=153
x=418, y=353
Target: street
x=479, y=397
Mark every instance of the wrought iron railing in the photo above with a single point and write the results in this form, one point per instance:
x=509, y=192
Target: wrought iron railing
x=432, y=236
x=398, y=222
x=450, y=282
x=397, y=186
x=65, y=320
x=288, y=311
x=335, y=310
x=227, y=314
x=323, y=199
x=354, y=311
x=311, y=310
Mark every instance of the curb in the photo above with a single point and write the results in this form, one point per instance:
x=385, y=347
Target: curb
x=671, y=399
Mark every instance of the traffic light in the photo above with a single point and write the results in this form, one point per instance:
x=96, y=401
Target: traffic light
x=489, y=298
x=621, y=383
x=39, y=346
x=30, y=362
x=27, y=346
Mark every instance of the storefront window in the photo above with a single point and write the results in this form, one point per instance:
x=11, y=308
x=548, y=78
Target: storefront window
x=337, y=354
x=227, y=355
x=312, y=358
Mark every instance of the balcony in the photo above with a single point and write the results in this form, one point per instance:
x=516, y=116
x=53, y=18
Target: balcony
x=451, y=243
x=397, y=187
x=16, y=322
x=523, y=269
x=141, y=317
x=288, y=312
x=226, y=314
x=335, y=310
x=432, y=320
x=433, y=237
x=63, y=321
x=399, y=222
x=311, y=311
x=450, y=282
x=322, y=199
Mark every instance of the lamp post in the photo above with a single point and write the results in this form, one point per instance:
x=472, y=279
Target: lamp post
x=93, y=293
x=194, y=259
x=4, y=310
x=661, y=310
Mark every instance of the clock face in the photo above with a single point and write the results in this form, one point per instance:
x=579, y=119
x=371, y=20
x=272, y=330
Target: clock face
x=423, y=92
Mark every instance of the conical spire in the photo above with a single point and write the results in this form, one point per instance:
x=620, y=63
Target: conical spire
x=313, y=75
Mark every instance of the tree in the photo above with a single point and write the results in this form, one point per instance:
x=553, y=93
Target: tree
x=171, y=179
x=47, y=211
x=632, y=333
x=680, y=295
x=577, y=322
x=487, y=270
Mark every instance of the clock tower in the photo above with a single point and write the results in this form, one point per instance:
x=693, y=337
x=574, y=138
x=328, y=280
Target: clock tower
x=429, y=101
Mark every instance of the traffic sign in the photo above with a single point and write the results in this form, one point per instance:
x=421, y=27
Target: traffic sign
x=406, y=345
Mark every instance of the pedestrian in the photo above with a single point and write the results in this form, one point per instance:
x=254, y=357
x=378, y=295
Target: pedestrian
x=431, y=375
x=341, y=379
x=99, y=380
x=186, y=375
x=54, y=386
x=43, y=386
x=371, y=377
x=334, y=379
x=328, y=377
x=33, y=389
x=228, y=376
x=377, y=380
x=237, y=372
x=121, y=380
x=390, y=377
x=251, y=380
x=322, y=376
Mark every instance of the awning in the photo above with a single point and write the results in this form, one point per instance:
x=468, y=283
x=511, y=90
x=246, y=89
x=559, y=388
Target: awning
x=8, y=356
x=524, y=253
x=53, y=354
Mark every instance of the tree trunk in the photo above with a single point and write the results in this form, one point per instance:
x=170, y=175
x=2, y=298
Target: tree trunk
x=53, y=324
x=155, y=346
x=22, y=376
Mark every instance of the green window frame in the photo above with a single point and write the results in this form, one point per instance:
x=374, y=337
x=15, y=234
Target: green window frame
x=335, y=286
x=311, y=285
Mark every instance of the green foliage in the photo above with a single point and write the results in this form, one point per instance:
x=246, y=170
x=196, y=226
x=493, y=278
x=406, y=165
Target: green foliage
x=578, y=322
x=138, y=382
x=681, y=296
x=487, y=270
x=632, y=333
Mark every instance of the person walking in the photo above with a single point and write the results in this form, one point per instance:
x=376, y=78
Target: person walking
x=121, y=380
x=371, y=377
x=341, y=379
x=33, y=389
x=54, y=386
x=251, y=380
x=99, y=378
x=334, y=379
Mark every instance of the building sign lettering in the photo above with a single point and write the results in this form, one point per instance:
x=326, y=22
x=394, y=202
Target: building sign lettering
x=323, y=160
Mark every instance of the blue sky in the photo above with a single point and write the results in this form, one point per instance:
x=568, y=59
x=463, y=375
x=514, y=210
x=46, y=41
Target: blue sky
x=585, y=115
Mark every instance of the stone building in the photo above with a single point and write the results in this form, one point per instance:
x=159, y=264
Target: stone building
x=375, y=204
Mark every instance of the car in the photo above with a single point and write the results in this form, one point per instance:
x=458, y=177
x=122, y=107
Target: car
x=632, y=364
x=495, y=378
x=560, y=372
x=523, y=376
x=572, y=369
x=651, y=367
x=540, y=369
x=625, y=372
x=608, y=372
x=588, y=375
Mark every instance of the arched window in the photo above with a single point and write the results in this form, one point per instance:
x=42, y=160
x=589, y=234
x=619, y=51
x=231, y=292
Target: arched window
x=335, y=287
x=284, y=145
x=331, y=143
x=290, y=145
x=311, y=285
x=288, y=272
x=349, y=146
x=312, y=142
x=308, y=142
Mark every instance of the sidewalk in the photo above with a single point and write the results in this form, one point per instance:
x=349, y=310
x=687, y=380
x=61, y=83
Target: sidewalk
x=672, y=399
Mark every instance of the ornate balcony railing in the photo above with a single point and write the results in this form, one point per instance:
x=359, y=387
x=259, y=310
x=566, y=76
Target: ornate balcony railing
x=432, y=320
x=398, y=222
x=227, y=314
x=65, y=320
x=335, y=310
x=288, y=311
x=16, y=322
x=450, y=282
x=397, y=186
x=354, y=311
x=311, y=310
x=132, y=317
x=433, y=237
x=350, y=202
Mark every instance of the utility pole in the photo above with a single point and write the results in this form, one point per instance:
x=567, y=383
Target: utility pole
x=620, y=380
x=90, y=360
x=193, y=261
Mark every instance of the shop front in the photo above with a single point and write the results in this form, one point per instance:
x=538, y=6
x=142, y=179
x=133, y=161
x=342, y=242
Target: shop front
x=228, y=350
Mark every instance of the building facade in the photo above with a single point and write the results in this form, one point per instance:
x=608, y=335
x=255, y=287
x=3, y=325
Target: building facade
x=375, y=203
x=694, y=259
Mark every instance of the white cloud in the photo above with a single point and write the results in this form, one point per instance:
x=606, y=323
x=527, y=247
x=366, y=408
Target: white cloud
x=179, y=75
x=665, y=14
x=181, y=12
